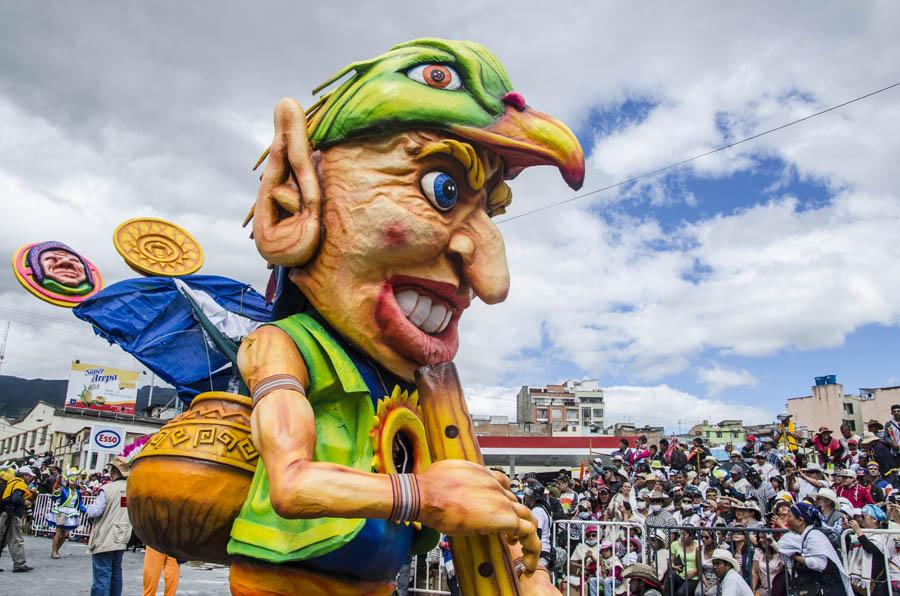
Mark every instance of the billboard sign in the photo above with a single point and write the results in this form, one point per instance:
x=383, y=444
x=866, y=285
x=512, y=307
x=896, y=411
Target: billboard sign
x=107, y=438
x=99, y=387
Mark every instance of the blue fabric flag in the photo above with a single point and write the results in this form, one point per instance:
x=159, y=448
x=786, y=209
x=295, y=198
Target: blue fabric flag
x=166, y=323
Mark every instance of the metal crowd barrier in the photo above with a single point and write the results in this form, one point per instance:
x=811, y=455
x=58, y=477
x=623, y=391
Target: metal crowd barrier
x=579, y=567
x=41, y=510
x=673, y=569
x=428, y=574
x=890, y=552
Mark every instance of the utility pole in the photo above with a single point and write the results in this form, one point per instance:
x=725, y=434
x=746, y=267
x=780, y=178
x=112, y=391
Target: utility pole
x=3, y=340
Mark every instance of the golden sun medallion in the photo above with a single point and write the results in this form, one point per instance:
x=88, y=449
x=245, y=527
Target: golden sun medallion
x=154, y=246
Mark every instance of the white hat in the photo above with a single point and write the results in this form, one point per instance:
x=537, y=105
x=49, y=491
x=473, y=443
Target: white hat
x=813, y=467
x=721, y=554
x=25, y=470
x=847, y=473
x=867, y=438
x=827, y=493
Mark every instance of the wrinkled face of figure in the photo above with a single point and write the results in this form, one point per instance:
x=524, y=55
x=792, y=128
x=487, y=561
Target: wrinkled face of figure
x=63, y=267
x=407, y=242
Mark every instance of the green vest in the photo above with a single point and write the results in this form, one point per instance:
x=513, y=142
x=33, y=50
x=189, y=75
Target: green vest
x=344, y=416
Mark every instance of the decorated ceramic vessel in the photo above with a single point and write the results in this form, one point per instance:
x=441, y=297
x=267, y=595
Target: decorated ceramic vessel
x=188, y=483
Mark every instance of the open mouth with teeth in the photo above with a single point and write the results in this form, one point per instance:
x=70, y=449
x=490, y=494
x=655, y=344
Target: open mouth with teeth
x=418, y=318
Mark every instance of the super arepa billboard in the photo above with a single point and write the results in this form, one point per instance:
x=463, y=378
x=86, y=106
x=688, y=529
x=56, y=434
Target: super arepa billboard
x=99, y=387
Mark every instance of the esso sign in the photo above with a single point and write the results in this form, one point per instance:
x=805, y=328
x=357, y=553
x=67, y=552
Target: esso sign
x=107, y=439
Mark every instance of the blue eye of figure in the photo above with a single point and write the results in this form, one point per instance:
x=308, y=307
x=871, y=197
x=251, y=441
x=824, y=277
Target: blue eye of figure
x=441, y=190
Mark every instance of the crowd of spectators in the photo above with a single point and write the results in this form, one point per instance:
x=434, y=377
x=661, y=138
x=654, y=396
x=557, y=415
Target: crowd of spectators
x=772, y=514
x=48, y=475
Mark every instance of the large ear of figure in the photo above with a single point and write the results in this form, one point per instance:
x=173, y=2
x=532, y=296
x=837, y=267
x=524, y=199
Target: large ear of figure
x=286, y=224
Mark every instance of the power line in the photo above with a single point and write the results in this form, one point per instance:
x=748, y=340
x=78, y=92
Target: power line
x=699, y=156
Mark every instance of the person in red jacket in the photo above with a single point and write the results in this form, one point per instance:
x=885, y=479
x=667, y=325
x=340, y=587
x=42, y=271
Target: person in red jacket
x=829, y=450
x=857, y=494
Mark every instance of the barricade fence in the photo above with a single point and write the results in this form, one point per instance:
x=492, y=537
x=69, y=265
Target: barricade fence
x=682, y=558
x=429, y=574
x=577, y=564
x=861, y=556
x=679, y=554
x=41, y=511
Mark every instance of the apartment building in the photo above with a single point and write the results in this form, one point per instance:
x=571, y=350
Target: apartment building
x=572, y=408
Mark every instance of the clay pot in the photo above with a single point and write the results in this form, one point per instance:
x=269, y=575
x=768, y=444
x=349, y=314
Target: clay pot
x=188, y=484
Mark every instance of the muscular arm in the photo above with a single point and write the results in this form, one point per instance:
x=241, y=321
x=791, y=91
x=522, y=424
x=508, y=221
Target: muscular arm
x=284, y=431
x=457, y=497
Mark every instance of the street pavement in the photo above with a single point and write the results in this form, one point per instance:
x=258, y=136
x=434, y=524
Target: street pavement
x=72, y=573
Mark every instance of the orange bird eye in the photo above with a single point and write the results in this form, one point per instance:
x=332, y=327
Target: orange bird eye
x=439, y=76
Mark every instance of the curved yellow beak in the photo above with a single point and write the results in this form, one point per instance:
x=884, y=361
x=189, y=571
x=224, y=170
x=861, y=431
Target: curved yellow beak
x=525, y=137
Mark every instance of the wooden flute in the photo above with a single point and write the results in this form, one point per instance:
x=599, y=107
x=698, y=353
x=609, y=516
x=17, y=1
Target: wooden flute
x=483, y=563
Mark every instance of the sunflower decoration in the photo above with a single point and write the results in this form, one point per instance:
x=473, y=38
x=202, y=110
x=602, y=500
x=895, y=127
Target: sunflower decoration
x=398, y=435
x=154, y=246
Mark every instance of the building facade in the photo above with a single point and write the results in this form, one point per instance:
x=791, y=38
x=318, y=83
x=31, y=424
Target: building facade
x=720, y=433
x=66, y=433
x=573, y=408
x=829, y=406
x=500, y=426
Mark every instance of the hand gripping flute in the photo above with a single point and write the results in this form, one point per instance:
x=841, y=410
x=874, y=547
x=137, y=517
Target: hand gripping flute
x=483, y=564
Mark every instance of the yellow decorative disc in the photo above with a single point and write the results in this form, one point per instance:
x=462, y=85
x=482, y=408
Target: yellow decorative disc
x=154, y=246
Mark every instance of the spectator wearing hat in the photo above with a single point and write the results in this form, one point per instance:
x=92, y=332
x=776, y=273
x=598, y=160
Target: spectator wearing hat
x=111, y=531
x=878, y=451
x=585, y=557
x=828, y=504
x=809, y=481
x=763, y=467
x=658, y=516
x=786, y=434
x=749, y=514
x=827, y=448
x=728, y=571
x=736, y=485
x=865, y=553
x=15, y=499
x=750, y=448
x=610, y=568
x=642, y=580
x=852, y=490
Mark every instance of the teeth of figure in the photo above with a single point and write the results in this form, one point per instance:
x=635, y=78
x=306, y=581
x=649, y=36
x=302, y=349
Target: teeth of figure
x=434, y=320
x=407, y=301
x=421, y=311
x=446, y=321
x=429, y=317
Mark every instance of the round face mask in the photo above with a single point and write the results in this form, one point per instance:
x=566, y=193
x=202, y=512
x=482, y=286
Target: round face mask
x=584, y=515
x=591, y=541
x=655, y=507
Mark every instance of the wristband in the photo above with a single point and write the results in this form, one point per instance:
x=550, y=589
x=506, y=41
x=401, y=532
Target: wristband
x=271, y=383
x=407, y=498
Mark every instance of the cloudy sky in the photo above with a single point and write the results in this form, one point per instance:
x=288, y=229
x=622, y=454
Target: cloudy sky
x=717, y=289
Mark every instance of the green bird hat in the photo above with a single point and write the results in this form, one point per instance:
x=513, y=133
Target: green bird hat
x=456, y=86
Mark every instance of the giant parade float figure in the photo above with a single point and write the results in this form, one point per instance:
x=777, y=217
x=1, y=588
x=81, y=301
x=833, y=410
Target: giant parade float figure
x=345, y=446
